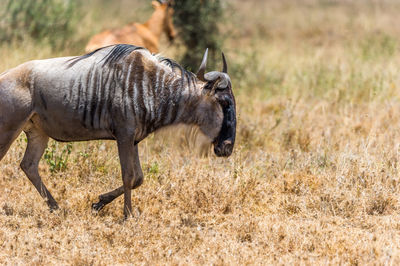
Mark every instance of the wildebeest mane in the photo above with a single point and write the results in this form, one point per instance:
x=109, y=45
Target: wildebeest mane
x=120, y=51
x=117, y=53
x=185, y=74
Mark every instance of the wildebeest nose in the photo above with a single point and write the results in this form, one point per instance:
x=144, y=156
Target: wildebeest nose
x=227, y=147
x=227, y=142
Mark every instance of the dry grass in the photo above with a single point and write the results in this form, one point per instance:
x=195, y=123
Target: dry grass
x=314, y=178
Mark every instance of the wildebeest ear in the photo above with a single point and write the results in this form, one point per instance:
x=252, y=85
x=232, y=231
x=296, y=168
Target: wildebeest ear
x=155, y=4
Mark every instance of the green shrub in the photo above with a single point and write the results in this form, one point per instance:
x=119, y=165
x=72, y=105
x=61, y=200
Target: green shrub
x=198, y=25
x=378, y=45
x=42, y=20
x=56, y=158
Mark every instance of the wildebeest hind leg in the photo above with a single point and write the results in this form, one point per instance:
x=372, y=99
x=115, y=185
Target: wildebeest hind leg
x=37, y=143
x=8, y=133
x=6, y=139
x=15, y=110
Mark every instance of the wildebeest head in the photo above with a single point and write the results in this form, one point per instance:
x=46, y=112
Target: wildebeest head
x=219, y=87
x=165, y=6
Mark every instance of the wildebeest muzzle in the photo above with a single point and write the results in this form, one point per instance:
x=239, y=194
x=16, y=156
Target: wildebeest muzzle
x=223, y=144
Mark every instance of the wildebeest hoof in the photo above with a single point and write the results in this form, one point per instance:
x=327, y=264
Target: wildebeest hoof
x=133, y=216
x=98, y=206
x=53, y=207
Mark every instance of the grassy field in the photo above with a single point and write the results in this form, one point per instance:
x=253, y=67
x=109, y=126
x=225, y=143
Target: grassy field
x=314, y=177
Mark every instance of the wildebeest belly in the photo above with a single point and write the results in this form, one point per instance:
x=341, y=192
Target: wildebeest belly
x=67, y=128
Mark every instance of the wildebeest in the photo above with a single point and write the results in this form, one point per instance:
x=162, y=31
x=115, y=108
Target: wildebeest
x=146, y=35
x=120, y=92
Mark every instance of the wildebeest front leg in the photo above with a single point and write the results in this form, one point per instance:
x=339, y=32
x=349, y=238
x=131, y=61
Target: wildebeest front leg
x=37, y=143
x=134, y=163
x=106, y=198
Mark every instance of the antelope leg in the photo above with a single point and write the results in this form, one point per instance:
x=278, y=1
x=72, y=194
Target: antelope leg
x=37, y=143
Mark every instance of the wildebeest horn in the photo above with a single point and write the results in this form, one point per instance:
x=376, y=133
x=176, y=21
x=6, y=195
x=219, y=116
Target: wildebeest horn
x=214, y=75
x=225, y=69
x=202, y=69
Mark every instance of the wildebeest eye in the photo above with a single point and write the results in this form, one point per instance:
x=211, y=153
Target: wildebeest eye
x=224, y=100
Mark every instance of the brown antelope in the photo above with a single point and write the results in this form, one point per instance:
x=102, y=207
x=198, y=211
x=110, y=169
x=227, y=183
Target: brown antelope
x=121, y=93
x=146, y=35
